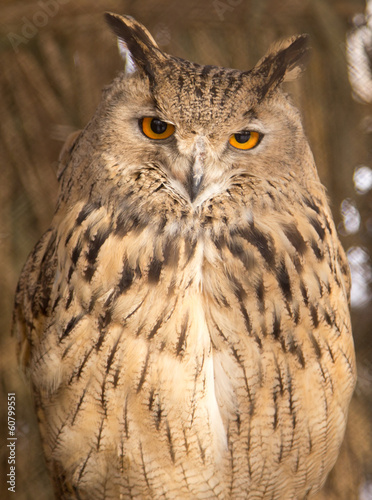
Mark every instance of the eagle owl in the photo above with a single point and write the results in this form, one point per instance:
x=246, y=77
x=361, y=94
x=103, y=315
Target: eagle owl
x=185, y=318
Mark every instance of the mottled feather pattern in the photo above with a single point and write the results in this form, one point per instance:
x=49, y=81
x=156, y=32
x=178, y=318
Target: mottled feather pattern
x=188, y=345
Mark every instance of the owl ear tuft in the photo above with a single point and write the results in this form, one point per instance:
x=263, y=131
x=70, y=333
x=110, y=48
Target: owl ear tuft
x=136, y=45
x=284, y=61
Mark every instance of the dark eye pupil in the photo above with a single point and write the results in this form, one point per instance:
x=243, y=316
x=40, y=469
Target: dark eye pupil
x=158, y=126
x=242, y=137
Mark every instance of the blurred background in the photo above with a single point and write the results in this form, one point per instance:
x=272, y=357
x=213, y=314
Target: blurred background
x=55, y=57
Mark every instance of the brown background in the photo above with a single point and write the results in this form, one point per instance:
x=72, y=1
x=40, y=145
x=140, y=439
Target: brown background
x=50, y=83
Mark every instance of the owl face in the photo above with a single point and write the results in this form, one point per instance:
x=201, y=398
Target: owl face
x=200, y=126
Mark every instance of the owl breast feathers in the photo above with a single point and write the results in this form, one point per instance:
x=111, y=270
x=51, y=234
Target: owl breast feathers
x=184, y=320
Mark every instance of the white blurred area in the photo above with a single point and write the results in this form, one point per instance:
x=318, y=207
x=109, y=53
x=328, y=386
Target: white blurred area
x=365, y=492
x=361, y=276
x=362, y=179
x=351, y=217
x=358, y=53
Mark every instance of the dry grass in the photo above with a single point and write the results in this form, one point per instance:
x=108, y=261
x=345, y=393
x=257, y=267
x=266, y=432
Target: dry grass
x=50, y=86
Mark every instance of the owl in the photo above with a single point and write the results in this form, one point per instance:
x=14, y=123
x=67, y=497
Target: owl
x=184, y=321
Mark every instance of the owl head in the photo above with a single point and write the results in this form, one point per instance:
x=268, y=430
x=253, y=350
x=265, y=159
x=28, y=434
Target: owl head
x=200, y=127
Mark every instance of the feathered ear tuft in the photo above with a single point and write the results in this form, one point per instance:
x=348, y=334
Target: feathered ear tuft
x=136, y=45
x=284, y=61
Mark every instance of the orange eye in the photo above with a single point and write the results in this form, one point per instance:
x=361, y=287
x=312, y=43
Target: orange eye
x=155, y=128
x=245, y=140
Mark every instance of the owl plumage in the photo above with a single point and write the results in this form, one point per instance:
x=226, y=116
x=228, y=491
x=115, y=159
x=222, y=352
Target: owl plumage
x=185, y=318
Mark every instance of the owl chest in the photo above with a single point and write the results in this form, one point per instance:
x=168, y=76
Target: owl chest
x=154, y=302
x=184, y=344
x=184, y=293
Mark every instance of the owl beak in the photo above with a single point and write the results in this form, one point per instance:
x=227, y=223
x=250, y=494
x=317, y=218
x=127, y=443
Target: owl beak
x=196, y=177
x=196, y=174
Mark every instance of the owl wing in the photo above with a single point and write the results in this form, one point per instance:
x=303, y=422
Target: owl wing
x=32, y=300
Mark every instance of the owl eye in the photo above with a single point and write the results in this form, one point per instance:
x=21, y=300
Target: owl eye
x=245, y=140
x=155, y=128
